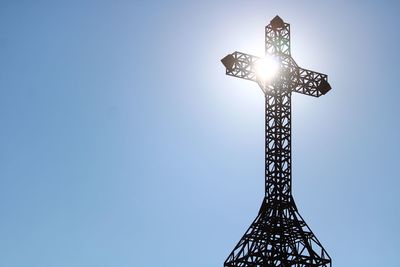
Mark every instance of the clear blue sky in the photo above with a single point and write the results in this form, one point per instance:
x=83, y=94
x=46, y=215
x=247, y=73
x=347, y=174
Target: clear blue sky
x=122, y=142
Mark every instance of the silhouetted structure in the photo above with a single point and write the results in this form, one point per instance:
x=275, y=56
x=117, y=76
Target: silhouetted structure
x=279, y=235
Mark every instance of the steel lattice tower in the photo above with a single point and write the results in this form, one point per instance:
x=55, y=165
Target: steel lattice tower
x=278, y=236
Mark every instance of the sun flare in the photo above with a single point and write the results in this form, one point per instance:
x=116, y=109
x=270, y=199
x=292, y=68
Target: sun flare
x=266, y=68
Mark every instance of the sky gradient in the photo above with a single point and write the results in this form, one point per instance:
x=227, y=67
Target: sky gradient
x=123, y=143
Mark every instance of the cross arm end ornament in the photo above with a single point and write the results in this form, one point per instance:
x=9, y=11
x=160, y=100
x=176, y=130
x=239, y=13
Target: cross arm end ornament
x=240, y=65
x=311, y=83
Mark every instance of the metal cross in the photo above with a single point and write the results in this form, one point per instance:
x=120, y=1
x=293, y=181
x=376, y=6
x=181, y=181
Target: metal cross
x=278, y=236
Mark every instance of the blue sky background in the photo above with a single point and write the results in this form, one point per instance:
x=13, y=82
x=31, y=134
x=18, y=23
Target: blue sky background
x=123, y=143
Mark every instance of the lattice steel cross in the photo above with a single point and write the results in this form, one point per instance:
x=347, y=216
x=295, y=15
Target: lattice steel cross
x=278, y=236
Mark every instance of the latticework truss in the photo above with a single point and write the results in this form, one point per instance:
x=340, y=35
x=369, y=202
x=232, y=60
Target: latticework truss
x=278, y=236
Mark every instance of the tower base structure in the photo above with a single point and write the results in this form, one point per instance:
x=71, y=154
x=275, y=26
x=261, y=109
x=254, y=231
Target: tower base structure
x=278, y=236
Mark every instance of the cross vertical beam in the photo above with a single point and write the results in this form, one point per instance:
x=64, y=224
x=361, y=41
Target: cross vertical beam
x=278, y=165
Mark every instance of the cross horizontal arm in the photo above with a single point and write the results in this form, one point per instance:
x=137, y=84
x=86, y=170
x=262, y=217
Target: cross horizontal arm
x=240, y=65
x=311, y=83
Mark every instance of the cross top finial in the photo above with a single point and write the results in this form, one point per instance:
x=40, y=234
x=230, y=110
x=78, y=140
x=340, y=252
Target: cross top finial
x=277, y=37
x=277, y=23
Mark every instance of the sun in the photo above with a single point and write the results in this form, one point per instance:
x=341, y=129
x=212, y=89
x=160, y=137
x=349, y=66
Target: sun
x=266, y=68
